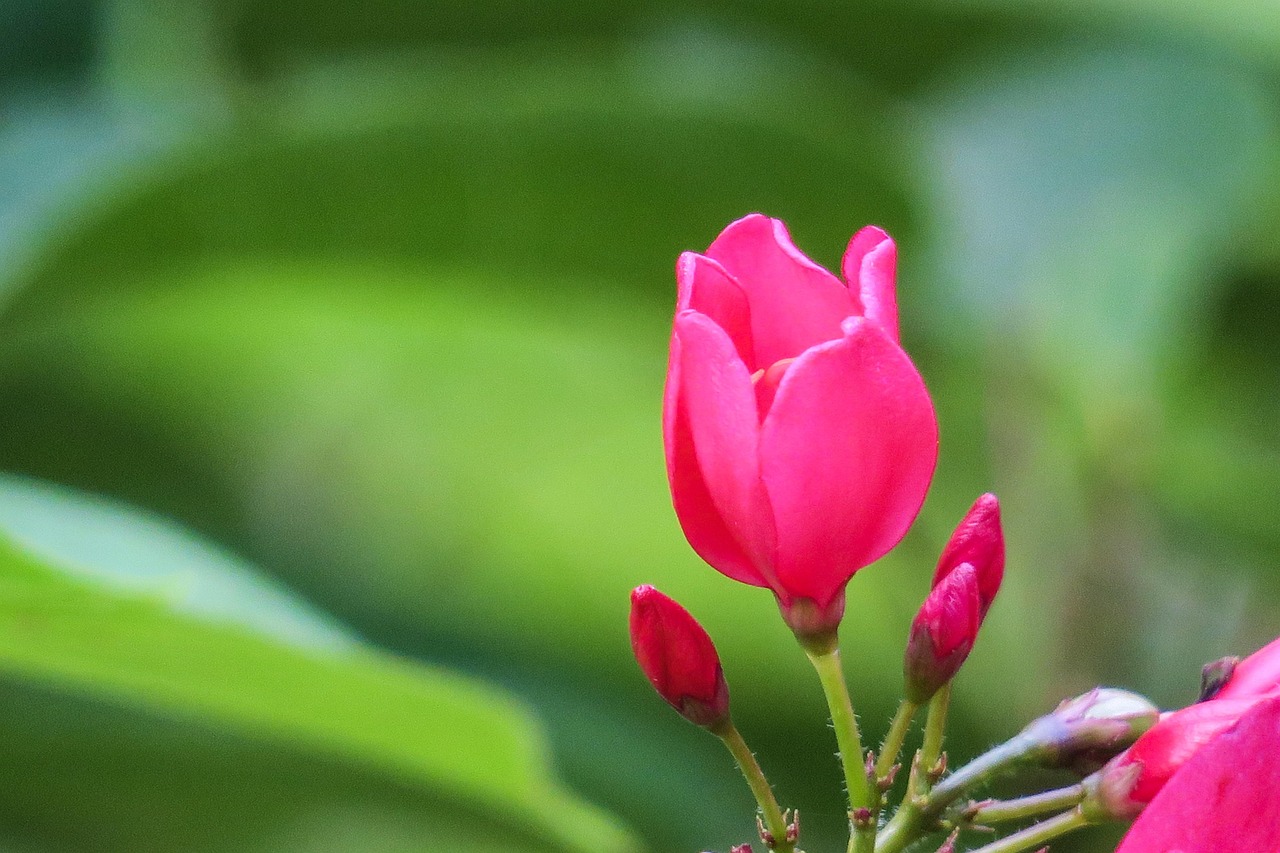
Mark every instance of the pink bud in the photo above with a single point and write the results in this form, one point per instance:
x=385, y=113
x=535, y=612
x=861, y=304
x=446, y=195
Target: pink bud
x=943, y=633
x=678, y=657
x=1227, y=796
x=968, y=577
x=800, y=438
x=978, y=541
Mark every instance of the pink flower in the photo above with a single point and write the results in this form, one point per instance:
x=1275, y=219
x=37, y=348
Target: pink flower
x=800, y=438
x=1160, y=753
x=678, y=657
x=1226, y=796
x=967, y=580
x=1137, y=776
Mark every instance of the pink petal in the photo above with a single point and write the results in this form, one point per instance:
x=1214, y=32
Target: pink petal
x=1169, y=745
x=870, y=266
x=847, y=453
x=1227, y=797
x=795, y=304
x=705, y=287
x=1257, y=674
x=699, y=519
x=723, y=507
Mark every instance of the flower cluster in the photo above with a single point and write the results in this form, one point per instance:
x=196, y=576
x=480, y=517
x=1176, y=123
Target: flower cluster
x=800, y=443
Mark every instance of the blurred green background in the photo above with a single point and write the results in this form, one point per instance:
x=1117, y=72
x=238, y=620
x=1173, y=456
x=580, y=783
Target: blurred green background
x=332, y=338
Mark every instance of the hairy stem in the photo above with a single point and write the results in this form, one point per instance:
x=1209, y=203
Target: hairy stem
x=863, y=797
x=774, y=821
x=1026, y=807
x=1035, y=836
x=892, y=745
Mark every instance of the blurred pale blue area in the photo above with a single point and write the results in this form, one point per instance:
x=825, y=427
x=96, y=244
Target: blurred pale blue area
x=374, y=298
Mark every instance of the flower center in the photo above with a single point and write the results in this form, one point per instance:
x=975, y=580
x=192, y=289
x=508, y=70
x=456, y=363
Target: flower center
x=766, y=382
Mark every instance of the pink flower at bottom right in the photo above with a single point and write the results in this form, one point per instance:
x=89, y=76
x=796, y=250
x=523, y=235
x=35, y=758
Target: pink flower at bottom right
x=1226, y=797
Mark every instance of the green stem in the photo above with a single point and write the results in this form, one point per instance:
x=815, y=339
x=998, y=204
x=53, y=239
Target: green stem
x=773, y=818
x=862, y=795
x=1025, y=807
x=892, y=745
x=909, y=822
x=935, y=727
x=1034, y=837
x=982, y=770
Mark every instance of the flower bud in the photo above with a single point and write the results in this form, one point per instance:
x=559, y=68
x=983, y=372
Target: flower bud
x=1255, y=676
x=968, y=577
x=1215, y=675
x=678, y=657
x=1084, y=733
x=942, y=634
x=978, y=541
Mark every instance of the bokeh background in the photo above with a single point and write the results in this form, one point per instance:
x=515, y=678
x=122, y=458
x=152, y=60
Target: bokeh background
x=332, y=338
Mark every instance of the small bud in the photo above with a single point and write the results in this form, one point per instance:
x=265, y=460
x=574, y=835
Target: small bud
x=949, y=846
x=1214, y=676
x=978, y=541
x=970, y=811
x=942, y=634
x=885, y=782
x=1256, y=675
x=861, y=817
x=965, y=584
x=793, y=828
x=1084, y=733
x=1109, y=792
x=678, y=657
x=740, y=848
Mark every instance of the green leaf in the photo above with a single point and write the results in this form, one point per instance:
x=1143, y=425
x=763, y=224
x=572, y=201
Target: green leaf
x=170, y=646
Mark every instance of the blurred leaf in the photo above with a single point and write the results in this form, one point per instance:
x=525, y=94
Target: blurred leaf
x=60, y=158
x=113, y=546
x=1252, y=26
x=455, y=744
x=1085, y=199
x=448, y=471
x=601, y=171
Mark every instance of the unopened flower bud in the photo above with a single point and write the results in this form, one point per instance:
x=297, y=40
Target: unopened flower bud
x=1255, y=676
x=1215, y=675
x=678, y=657
x=978, y=541
x=964, y=586
x=1084, y=733
x=942, y=634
